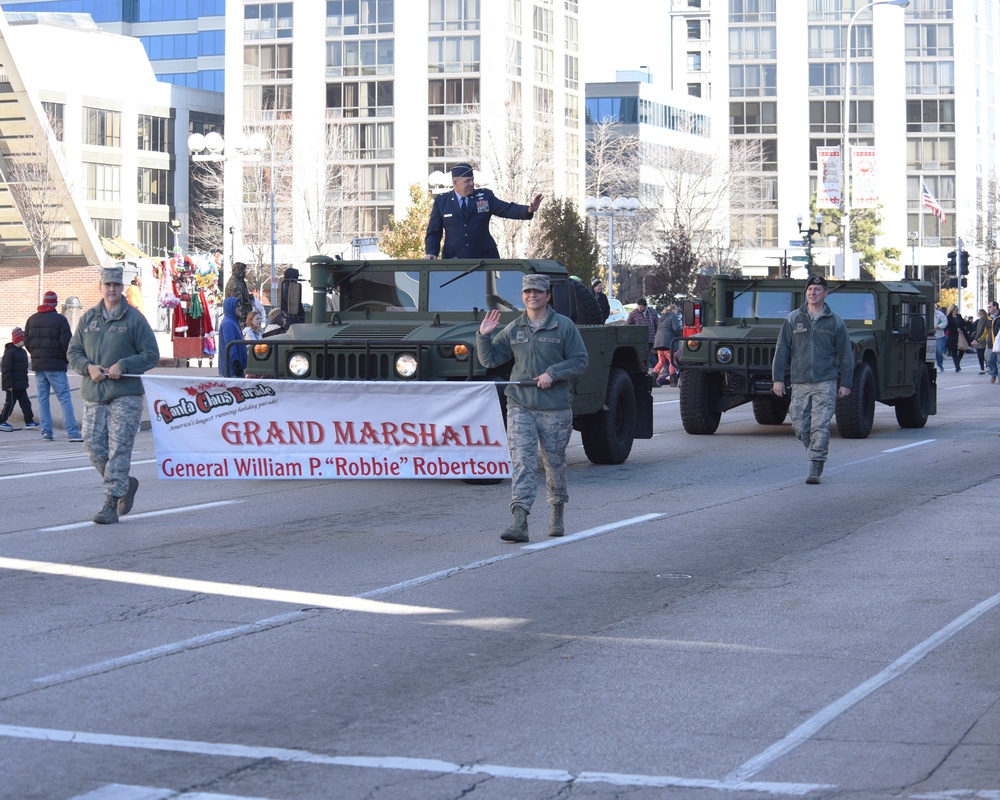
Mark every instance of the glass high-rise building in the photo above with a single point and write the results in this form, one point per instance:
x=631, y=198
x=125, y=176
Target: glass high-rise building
x=185, y=42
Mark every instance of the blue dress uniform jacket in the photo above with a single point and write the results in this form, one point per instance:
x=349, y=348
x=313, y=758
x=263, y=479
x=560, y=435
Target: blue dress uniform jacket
x=468, y=235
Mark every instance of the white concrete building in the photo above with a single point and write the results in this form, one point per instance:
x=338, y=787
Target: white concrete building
x=393, y=91
x=923, y=93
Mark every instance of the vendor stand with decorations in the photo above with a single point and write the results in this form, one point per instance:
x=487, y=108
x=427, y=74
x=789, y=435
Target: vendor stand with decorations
x=187, y=289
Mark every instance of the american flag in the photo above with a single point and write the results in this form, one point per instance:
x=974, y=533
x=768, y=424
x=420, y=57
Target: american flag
x=930, y=201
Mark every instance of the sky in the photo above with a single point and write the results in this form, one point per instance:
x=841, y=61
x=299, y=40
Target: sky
x=624, y=34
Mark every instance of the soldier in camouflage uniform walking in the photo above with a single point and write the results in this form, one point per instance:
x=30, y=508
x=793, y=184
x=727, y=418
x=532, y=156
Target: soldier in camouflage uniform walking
x=815, y=341
x=112, y=346
x=547, y=349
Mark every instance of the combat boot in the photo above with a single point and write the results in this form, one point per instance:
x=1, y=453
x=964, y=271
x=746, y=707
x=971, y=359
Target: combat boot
x=518, y=529
x=556, y=527
x=125, y=503
x=109, y=514
x=815, y=470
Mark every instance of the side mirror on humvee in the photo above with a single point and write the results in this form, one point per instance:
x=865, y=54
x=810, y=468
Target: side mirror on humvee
x=291, y=299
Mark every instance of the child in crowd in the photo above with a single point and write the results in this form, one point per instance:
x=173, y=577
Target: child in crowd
x=15, y=382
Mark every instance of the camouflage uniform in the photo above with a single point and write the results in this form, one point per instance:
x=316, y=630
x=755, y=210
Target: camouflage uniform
x=812, y=407
x=527, y=429
x=109, y=431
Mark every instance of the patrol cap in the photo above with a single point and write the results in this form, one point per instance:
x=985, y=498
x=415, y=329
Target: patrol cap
x=111, y=275
x=817, y=280
x=540, y=282
x=462, y=171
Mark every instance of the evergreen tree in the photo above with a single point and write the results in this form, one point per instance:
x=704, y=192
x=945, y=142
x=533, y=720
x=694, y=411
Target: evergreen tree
x=675, y=269
x=564, y=236
x=404, y=238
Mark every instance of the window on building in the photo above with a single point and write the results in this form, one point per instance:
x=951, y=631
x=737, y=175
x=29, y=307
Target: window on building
x=694, y=89
x=360, y=57
x=365, y=140
x=267, y=21
x=360, y=99
x=544, y=65
x=155, y=134
x=514, y=17
x=826, y=41
x=571, y=114
x=154, y=186
x=153, y=237
x=544, y=103
x=930, y=154
x=543, y=19
x=694, y=61
x=453, y=138
x=861, y=41
x=453, y=54
x=572, y=41
x=108, y=228
x=358, y=17
x=930, y=77
x=753, y=118
x=267, y=62
x=752, y=10
x=753, y=80
x=102, y=182
x=272, y=101
x=54, y=113
x=572, y=152
x=572, y=67
x=694, y=28
x=930, y=40
x=514, y=57
x=452, y=96
x=754, y=230
x=375, y=182
x=102, y=127
x=930, y=116
x=753, y=44
x=572, y=6
x=454, y=15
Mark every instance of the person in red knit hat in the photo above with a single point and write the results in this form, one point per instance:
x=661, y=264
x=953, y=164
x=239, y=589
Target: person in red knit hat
x=47, y=335
x=14, y=369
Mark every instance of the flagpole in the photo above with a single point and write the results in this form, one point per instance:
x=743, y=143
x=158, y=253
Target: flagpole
x=920, y=211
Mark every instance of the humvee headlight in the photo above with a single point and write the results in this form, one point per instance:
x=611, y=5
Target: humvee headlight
x=724, y=355
x=298, y=364
x=692, y=344
x=261, y=351
x=462, y=352
x=406, y=365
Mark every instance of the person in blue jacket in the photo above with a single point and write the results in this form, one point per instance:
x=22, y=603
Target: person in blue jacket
x=463, y=217
x=232, y=361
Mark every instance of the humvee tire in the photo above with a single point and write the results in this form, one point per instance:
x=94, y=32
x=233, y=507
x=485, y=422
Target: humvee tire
x=770, y=410
x=913, y=412
x=699, y=391
x=608, y=434
x=856, y=412
x=588, y=308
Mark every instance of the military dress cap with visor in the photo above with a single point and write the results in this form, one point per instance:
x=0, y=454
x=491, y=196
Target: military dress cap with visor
x=817, y=280
x=462, y=171
x=111, y=275
x=539, y=282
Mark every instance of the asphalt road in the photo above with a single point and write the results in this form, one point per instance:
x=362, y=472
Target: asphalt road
x=711, y=627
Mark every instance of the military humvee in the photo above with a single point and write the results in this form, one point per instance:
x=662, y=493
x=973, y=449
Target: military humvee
x=728, y=363
x=385, y=320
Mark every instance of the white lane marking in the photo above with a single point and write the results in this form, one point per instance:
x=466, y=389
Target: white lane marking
x=163, y=512
x=339, y=602
x=908, y=446
x=811, y=726
x=66, y=471
x=120, y=791
x=174, y=647
x=399, y=763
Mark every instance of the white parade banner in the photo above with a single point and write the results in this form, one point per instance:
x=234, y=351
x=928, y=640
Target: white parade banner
x=864, y=194
x=239, y=428
x=828, y=186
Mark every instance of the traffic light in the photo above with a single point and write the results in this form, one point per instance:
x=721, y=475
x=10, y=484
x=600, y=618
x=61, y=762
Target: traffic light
x=965, y=282
x=963, y=262
x=951, y=261
x=951, y=283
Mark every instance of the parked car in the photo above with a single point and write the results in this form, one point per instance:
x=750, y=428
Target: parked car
x=618, y=313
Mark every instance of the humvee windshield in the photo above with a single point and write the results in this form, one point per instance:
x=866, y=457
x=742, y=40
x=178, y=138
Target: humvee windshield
x=853, y=305
x=381, y=291
x=479, y=289
x=761, y=304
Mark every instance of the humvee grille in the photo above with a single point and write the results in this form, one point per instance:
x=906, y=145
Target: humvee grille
x=358, y=366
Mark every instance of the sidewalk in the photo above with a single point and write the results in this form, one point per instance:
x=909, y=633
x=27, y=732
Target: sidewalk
x=166, y=367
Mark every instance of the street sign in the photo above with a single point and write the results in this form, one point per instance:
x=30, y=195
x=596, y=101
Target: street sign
x=796, y=243
x=798, y=258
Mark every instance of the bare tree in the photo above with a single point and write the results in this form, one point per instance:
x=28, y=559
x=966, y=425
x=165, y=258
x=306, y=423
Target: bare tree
x=331, y=190
x=987, y=236
x=33, y=170
x=519, y=172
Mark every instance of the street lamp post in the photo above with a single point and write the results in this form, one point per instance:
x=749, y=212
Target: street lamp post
x=809, y=232
x=606, y=207
x=850, y=273
x=212, y=146
x=913, y=236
